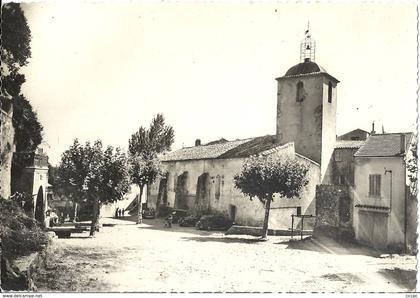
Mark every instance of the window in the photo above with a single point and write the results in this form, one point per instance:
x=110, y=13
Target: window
x=375, y=185
x=330, y=90
x=337, y=155
x=341, y=180
x=300, y=92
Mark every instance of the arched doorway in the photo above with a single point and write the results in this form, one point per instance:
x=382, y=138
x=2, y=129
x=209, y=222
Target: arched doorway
x=181, y=191
x=202, y=198
x=39, y=207
x=162, y=198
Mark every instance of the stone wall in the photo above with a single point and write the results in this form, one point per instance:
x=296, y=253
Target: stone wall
x=7, y=147
x=334, y=211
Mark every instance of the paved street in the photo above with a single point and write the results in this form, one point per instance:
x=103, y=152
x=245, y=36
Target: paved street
x=149, y=258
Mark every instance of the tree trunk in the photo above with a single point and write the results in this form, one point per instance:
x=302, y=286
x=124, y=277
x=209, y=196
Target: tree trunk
x=267, y=214
x=140, y=207
x=95, y=216
x=75, y=212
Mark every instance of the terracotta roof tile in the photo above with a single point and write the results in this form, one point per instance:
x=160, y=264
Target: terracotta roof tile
x=202, y=151
x=383, y=145
x=229, y=149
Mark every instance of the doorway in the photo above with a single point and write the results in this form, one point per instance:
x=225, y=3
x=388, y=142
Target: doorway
x=39, y=207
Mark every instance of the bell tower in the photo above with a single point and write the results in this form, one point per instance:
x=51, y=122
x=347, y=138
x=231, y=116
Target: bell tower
x=306, y=107
x=307, y=47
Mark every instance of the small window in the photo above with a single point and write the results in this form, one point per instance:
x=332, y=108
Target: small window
x=330, y=90
x=300, y=92
x=375, y=185
x=341, y=180
x=337, y=155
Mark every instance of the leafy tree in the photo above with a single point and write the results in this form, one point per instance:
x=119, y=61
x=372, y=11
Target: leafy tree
x=264, y=176
x=15, y=52
x=89, y=173
x=28, y=130
x=412, y=167
x=144, y=147
x=16, y=38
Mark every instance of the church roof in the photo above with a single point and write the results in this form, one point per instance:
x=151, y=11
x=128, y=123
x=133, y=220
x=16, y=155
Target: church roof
x=384, y=145
x=306, y=68
x=228, y=149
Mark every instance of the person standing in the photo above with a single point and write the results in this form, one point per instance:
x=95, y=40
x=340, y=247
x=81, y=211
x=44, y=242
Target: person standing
x=116, y=212
x=122, y=212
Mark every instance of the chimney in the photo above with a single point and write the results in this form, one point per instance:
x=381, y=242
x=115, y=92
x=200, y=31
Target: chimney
x=198, y=142
x=402, y=143
x=373, y=128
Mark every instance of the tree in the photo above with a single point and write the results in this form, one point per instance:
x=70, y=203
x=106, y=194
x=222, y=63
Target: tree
x=144, y=147
x=28, y=130
x=412, y=167
x=264, y=176
x=16, y=38
x=15, y=52
x=89, y=173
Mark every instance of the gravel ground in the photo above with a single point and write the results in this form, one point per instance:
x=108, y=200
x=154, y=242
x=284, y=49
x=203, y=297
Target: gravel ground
x=125, y=257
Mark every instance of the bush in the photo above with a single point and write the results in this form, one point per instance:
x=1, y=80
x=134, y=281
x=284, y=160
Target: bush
x=20, y=235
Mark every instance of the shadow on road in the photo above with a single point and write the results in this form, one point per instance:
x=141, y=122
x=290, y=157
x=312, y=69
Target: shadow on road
x=404, y=278
x=330, y=246
x=222, y=239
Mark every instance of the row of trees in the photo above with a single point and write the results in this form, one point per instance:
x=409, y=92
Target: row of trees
x=95, y=175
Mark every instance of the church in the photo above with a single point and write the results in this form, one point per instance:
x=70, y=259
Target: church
x=200, y=178
x=345, y=196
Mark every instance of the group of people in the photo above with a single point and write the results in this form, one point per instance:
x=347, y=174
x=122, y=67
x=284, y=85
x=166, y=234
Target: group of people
x=119, y=213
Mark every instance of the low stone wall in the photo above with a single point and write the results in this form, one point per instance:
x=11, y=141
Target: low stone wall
x=333, y=212
x=256, y=231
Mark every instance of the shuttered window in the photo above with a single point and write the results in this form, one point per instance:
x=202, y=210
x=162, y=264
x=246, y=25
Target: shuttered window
x=375, y=185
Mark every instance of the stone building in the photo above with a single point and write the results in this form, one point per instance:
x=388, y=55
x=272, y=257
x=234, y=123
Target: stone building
x=7, y=144
x=200, y=178
x=34, y=180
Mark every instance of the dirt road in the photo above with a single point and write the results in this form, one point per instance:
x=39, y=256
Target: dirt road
x=150, y=258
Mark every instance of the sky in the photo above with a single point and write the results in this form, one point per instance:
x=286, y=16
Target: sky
x=101, y=70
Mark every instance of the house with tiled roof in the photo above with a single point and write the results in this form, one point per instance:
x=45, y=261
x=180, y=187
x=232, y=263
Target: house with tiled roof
x=200, y=179
x=381, y=194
